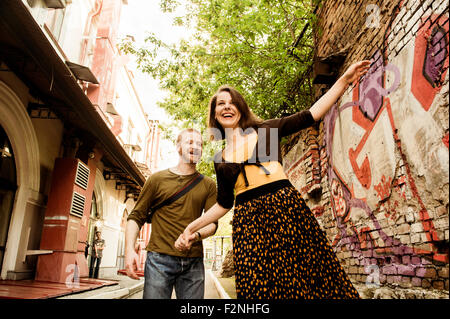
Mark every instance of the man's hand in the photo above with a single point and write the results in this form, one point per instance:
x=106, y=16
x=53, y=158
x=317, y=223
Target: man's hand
x=185, y=241
x=132, y=264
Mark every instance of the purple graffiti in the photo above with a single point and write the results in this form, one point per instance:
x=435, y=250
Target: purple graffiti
x=435, y=56
x=371, y=90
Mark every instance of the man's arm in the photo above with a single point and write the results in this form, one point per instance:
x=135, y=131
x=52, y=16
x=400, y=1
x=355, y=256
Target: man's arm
x=131, y=257
x=135, y=221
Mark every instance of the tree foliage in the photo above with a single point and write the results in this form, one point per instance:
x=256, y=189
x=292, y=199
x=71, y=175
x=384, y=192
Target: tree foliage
x=263, y=48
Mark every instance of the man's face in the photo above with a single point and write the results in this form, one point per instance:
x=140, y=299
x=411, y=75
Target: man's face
x=190, y=147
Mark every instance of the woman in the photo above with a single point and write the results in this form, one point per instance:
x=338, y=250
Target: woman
x=279, y=249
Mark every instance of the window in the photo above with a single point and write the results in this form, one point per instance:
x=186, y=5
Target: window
x=130, y=128
x=55, y=20
x=139, y=142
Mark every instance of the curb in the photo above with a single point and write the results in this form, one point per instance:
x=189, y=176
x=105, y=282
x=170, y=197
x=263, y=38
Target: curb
x=115, y=294
x=222, y=293
x=136, y=288
x=119, y=293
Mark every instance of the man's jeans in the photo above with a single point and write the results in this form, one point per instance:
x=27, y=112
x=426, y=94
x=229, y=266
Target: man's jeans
x=164, y=272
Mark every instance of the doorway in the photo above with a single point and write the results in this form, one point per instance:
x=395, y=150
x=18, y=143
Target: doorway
x=93, y=221
x=8, y=186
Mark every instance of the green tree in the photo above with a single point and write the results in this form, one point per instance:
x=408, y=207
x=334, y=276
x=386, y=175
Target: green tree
x=263, y=48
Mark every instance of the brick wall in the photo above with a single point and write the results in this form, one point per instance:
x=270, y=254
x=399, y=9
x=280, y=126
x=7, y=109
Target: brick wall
x=375, y=170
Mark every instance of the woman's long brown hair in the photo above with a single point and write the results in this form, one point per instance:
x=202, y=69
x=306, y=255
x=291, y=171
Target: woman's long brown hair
x=248, y=118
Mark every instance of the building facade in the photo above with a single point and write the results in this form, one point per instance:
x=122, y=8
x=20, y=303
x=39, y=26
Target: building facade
x=76, y=143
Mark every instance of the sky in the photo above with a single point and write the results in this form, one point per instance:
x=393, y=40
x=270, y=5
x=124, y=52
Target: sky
x=137, y=18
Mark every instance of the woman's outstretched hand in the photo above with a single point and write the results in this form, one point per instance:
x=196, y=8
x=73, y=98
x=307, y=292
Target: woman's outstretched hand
x=355, y=71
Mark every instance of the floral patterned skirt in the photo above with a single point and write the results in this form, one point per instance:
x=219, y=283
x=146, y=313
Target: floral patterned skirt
x=280, y=251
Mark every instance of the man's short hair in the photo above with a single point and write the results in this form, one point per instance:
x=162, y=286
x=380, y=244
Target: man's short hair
x=187, y=130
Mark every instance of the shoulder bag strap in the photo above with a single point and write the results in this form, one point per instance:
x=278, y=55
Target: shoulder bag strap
x=186, y=188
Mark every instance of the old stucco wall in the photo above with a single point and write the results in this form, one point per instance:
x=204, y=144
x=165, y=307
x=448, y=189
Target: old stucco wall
x=375, y=171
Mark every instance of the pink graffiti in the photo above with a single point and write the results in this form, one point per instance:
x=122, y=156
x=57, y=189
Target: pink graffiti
x=371, y=90
x=384, y=188
x=369, y=100
x=340, y=205
x=431, y=59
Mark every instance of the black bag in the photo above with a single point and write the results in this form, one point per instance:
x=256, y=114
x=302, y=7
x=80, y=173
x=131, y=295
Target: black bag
x=186, y=188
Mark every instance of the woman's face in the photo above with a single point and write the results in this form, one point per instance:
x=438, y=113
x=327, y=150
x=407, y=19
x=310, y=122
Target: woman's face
x=227, y=114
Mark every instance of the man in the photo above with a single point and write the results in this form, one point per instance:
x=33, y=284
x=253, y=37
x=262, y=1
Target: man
x=167, y=267
x=97, y=254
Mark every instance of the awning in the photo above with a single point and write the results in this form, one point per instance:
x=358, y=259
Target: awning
x=55, y=4
x=82, y=72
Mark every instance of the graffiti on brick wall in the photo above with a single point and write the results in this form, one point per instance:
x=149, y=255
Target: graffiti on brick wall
x=430, y=60
x=383, y=144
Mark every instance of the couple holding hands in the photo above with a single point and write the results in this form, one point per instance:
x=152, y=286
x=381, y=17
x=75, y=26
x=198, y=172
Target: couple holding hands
x=280, y=252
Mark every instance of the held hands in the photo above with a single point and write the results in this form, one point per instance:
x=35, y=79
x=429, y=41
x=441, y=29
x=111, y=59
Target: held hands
x=185, y=240
x=355, y=71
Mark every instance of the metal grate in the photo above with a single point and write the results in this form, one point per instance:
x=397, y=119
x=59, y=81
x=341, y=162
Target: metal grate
x=82, y=176
x=77, y=207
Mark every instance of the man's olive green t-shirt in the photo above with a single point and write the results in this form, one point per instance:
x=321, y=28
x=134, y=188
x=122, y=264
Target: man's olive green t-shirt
x=169, y=221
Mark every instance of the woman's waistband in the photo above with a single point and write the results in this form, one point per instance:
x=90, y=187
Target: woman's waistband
x=261, y=190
